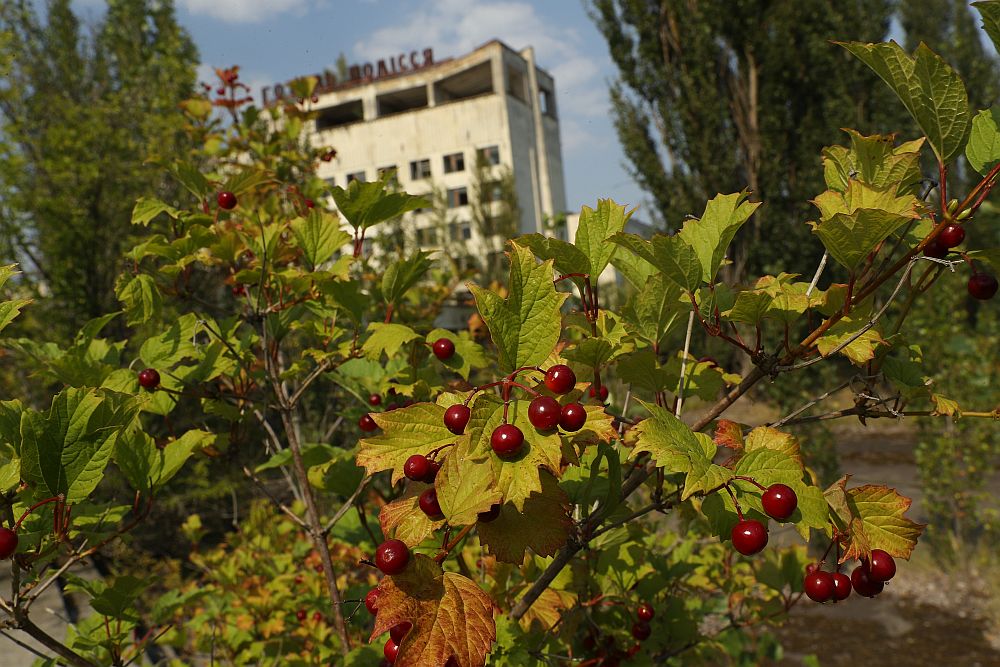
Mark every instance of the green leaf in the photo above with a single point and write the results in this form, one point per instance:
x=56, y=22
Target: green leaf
x=518, y=477
x=880, y=510
x=319, y=235
x=850, y=238
x=9, y=309
x=245, y=180
x=928, y=87
x=10, y=467
x=657, y=309
x=989, y=10
x=147, y=208
x=593, y=232
x=711, y=235
x=141, y=298
x=983, y=149
x=174, y=344
x=192, y=179
x=858, y=351
x=635, y=269
x=874, y=160
x=676, y=448
x=417, y=429
x=147, y=466
x=751, y=307
x=387, y=339
x=466, y=486
x=401, y=275
x=525, y=326
x=65, y=450
x=543, y=526
x=642, y=370
x=672, y=255
x=367, y=204
x=566, y=257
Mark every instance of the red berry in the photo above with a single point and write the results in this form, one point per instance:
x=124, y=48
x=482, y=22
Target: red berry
x=416, y=467
x=749, y=536
x=371, y=601
x=779, y=501
x=429, y=505
x=398, y=631
x=310, y=203
x=573, y=417
x=506, y=440
x=490, y=515
x=301, y=614
x=560, y=379
x=149, y=378
x=935, y=249
x=456, y=417
x=8, y=543
x=864, y=584
x=841, y=586
x=881, y=567
x=220, y=91
x=392, y=556
x=641, y=630
x=645, y=612
x=982, y=286
x=317, y=616
x=603, y=393
x=544, y=413
x=239, y=290
x=226, y=200
x=366, y=423
x=374, y=399
x=951, y=236
x=444, y=349
x=432, y=472
x=390, y=650
x=819, y=586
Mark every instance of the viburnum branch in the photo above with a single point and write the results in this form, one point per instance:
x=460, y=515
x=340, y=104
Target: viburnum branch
x=277, y=503
x=681, y=383
x=784, y=420
x=729, y=490
x=818, y=273
x=345, y=508
x=451, y=545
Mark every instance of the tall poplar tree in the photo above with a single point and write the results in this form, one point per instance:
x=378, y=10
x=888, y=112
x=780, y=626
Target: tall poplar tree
x=81, y=110
x=721, y=95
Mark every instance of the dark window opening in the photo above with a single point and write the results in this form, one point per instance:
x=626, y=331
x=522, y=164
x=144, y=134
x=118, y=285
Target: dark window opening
x=454, y=162
x=402, y=100
x=458, y=197
x=474, y=81
x=420, y=169
x=356, y=176
x=342, y=114
x=489, y=155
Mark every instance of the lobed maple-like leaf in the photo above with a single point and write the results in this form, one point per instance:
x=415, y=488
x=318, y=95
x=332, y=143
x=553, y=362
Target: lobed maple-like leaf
x=465, y=486
x=518, y=477
x=403, y=519
x=542, y=526
x=765, y=437
x=451, y=616
x=416, y=429
x=872, y=518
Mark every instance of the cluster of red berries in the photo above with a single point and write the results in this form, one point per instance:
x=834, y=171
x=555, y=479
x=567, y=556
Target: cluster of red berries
x=749, y=535
x=641, y=629
x=419, y=468
x=868, y=579
x=544, y=412
x=981, y=286
x=391, y=557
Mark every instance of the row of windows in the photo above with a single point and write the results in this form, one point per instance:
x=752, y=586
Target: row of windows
x=451, y=164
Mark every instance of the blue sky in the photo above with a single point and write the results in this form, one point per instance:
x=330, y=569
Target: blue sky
x=276, y=40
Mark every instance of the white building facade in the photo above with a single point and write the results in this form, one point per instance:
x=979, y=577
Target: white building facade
x=430, y=122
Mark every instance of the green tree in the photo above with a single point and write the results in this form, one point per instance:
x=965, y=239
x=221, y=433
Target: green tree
x=79, y=115
x=725, y=94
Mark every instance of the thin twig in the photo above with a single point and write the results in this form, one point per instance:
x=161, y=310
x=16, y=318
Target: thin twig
x=784, y=420
x=681, y=383
x=346, y=506
x=277, y=503
x=819, y=272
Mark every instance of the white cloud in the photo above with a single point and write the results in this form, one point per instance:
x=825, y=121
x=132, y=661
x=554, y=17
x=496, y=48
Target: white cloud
x=243, y=11
x=455, y=27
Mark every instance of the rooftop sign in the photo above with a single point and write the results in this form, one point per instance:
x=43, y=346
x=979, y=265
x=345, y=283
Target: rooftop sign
x=356, y=74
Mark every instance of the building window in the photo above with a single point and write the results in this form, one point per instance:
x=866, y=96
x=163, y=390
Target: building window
x=356, y=176
x=461, y=231
x=547, y=100
x=420, y=169
x=454, y=162
x=489, y=155
x=426, y=236
x=458, y=197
